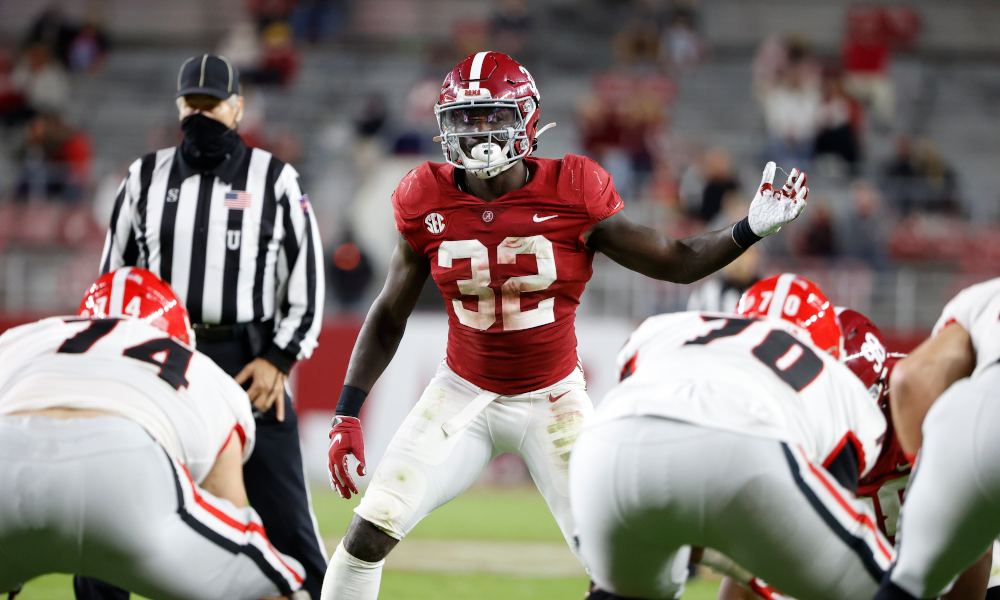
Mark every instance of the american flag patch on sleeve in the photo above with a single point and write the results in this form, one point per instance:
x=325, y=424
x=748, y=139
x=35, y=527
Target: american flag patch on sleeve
x=237, y=199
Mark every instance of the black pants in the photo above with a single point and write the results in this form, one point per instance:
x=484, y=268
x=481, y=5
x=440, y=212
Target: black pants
x=275, y=483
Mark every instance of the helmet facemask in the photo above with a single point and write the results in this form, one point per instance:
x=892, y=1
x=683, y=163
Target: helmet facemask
x=494, y=133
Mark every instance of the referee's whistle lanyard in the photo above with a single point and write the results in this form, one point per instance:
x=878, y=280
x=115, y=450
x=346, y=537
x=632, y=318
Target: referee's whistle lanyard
x=207, y=142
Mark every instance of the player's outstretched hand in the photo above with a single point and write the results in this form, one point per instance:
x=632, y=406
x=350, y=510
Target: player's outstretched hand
x=345, y=438
x=771, y=209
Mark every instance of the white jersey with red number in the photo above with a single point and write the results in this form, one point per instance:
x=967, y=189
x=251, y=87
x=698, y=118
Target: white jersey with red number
x=127, y=367
x=977, y=310
x=753, y=377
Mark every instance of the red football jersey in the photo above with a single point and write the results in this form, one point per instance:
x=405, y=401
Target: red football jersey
x=511, y=271
x=892, y=462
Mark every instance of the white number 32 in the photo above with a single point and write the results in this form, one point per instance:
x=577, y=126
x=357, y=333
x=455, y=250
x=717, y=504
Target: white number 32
x=514, y=319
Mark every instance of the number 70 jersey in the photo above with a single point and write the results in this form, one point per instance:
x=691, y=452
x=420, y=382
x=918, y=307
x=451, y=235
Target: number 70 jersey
x=511, y=271
x=757, y=377
x=129, y=368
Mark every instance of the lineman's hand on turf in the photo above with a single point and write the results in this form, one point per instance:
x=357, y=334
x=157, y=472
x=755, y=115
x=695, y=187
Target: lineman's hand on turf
x=345, y=438
x=268, y=385
x=771, y=209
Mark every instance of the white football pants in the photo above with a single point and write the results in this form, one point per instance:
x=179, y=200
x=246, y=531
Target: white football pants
x=646, y=489
x=952, y=511
x=456, y=429
x=98, y=497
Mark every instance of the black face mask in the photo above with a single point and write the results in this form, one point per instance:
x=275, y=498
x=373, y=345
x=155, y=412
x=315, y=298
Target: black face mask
x=207, y=142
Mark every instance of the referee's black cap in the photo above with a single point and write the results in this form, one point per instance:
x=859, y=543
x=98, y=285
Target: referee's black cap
x=208, y=74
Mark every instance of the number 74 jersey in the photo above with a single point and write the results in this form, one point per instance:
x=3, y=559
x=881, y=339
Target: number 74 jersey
x=511, y=271
x=129, y=368
x=757, y=377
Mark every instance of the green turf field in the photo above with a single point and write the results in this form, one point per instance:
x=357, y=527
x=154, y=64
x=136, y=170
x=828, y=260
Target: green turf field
x=514, y=517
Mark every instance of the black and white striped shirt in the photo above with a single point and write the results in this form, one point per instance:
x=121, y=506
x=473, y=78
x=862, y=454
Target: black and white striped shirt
x=231, y=258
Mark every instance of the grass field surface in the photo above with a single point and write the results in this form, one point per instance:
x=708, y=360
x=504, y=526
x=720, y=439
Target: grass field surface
x=486, y=544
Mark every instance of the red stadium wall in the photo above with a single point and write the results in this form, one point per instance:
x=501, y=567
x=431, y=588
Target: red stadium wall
x=900, y=342
x=318, y=380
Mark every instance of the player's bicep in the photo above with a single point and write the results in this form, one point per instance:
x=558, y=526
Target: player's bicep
x=630, y=244
x=408, y=272
x=937, y=363
x=918, y=380
x=407, y=265
x=386, y=320
x=402, y=240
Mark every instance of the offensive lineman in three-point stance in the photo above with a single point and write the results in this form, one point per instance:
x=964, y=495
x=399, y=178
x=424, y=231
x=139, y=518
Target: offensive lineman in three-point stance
x=742, y=433
x=945, y=404
x=122, y=451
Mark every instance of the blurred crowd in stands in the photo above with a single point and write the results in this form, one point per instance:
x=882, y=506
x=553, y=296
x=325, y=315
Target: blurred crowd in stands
x=816, y=110
x=45, y=201
x=35, y=95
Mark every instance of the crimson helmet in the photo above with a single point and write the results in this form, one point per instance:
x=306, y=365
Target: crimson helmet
x=138, y=293
x=796, y=300
x=864, y=350
x=865, y=353
x=492, y=97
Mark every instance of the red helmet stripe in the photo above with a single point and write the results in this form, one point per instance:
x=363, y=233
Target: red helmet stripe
x=476, y=71
x=117, y=302
x=780, y=294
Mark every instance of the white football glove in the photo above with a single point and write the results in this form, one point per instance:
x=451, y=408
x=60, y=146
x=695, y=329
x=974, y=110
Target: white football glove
x=772, y=208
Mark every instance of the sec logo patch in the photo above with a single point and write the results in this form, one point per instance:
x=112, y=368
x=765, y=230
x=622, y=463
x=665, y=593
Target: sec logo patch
x=435, y=223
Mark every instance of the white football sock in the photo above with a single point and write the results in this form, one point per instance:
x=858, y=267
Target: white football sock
x=349, y=578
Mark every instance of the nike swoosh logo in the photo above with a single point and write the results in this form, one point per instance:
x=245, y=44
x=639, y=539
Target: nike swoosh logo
x=616, y=205
x=554, y=398
x=336, y=438
x=536, y=218
x=902, y=467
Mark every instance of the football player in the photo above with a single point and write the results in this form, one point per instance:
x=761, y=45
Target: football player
x=121, y=452
x=865, y=354
x=719, y=421
x=509, y=240
x=945, y=404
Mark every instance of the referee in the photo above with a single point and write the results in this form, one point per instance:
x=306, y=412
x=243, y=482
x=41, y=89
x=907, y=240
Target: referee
x=229, y=228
